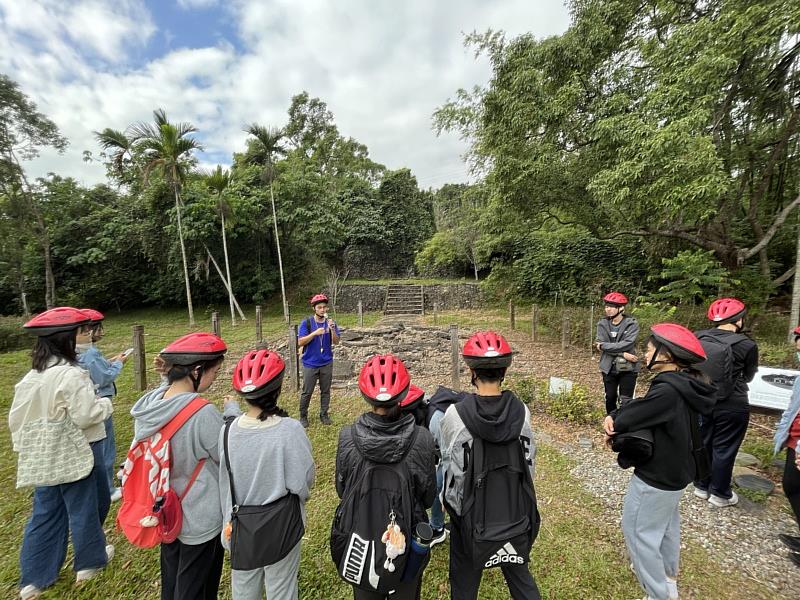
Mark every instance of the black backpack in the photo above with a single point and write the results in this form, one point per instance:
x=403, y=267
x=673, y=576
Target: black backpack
x=375, y=493
x=718, y=366
x=499, y=518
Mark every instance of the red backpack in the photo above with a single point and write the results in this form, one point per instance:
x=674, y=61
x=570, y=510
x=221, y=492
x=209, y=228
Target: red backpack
x=151, y=510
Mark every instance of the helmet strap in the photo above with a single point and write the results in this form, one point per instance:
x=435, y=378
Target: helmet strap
x=653, y=360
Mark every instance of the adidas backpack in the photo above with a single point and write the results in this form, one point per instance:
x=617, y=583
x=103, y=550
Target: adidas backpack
x=379, y=494
x=718, y=366
x=151, y=511
x=499, y=518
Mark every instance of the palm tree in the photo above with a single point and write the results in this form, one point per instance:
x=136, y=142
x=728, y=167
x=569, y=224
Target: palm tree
x=119, y=144
x=264, y=151
x=218, y=181
x=167, y=147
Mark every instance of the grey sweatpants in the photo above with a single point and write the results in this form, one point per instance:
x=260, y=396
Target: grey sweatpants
x=310, y=377
x=652, y=528
x=279, y=580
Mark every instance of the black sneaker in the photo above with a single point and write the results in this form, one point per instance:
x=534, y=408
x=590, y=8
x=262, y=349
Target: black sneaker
x=795, y=558
x=304, y=422
x=325, y=420
x=792, y=542
x=440, y=535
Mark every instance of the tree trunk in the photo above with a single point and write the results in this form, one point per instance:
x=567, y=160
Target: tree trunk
x=49, y=279
x=794, y=315
x=228, y=270
x=183, y=256
x=280, y=261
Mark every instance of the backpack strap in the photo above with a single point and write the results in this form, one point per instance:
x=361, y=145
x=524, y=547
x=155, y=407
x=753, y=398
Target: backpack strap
x=310, y=331
x=174, y=425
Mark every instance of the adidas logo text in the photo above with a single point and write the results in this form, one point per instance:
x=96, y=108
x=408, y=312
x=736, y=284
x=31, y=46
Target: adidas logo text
x=506, y=554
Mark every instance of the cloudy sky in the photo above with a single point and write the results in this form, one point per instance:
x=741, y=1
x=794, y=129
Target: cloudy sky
x=381, y=66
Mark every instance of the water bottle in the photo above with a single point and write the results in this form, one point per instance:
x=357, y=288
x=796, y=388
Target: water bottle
x=420, y=546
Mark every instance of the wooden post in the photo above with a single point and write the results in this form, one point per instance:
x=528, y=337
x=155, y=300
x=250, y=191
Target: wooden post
x=139, y=365
x=565, y=332
x=259, y=317
x=511, y=315
x=591, y=329
x=534, y=319
x=294, y=374
x=360, y=313
x=455, y=358
x=25, y=310
x=434, y=313
x=215, y=328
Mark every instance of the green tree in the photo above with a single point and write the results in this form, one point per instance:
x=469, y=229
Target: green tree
x=168, y=148
x=218, y=181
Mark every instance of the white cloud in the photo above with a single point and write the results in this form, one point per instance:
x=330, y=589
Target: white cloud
x=192, y=4
x=382, y=68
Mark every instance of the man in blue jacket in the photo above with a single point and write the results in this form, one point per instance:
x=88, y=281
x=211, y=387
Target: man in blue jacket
x=317, y=335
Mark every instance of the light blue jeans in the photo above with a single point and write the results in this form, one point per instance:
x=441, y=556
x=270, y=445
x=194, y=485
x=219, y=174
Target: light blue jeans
x=279, y=580
x=652, y=528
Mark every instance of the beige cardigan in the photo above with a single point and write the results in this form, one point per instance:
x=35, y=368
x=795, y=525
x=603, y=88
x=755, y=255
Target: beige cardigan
x=60, y=391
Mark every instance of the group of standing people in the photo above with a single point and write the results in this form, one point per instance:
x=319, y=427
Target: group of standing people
x=241, y=479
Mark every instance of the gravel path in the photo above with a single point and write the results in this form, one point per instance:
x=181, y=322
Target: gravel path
x=741, y=538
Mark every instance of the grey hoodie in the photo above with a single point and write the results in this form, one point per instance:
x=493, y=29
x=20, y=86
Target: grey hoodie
x=198, y=439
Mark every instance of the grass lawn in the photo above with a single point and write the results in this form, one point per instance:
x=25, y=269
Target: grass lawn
x=576, y=556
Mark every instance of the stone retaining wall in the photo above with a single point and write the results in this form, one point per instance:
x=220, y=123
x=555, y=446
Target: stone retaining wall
x=447, y=296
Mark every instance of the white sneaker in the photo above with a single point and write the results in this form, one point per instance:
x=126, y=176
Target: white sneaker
x=29, y=592
x=87, y=574
x=721, y=502
x=117, y=495
x=672, y=588
x=702, y=494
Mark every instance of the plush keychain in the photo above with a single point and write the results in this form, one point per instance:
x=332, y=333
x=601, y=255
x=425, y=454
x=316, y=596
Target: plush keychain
x=395, y=542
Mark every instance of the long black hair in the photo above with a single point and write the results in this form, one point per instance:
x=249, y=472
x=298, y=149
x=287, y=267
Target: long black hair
x=60, y=345
x=268, y=403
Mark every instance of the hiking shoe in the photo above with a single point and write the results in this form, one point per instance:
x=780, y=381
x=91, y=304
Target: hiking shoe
x=672, y=588
x=29, y=592
x=702, y=494
x=792, y=542
x=440, y=535
x=87, y=574
x=116, y=495
x=795, y=558
x=325, y=420
x=304, y=422
x=721, y=502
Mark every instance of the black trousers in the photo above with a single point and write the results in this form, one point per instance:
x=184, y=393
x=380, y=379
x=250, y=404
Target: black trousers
x=722, y=433
x=191, y=572
x=465, y=579
x=618, y=384
x=791, y=483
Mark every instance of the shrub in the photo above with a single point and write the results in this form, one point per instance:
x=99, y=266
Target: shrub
x=12, y=336
x=525, y=388
x=576, y=406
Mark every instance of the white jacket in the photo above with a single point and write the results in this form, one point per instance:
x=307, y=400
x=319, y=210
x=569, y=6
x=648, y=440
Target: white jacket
x=60, y=391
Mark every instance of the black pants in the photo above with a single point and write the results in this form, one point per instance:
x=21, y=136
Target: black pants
x=407, y=591
x=191, y=572
x=722, y=432
x=465, y=579
x=618, y=384
x=791, y=483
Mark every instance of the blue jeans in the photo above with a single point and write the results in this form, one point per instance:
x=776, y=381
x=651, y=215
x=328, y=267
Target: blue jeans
x=110, y=453
x=437, y=514
x=60, y=510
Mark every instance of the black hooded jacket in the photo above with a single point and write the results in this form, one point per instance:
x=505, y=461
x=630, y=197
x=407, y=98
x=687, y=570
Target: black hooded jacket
x=664, y=411
x=387, y=441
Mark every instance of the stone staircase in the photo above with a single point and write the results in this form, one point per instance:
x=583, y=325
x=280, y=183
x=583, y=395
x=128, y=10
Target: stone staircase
x=404, y=300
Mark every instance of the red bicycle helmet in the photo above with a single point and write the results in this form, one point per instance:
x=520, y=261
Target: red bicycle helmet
x=95, y=315
x=615, y=299
x=726, y=310
x=796, y=333
x=413, y=398
x=258, y=372
x=316, y=299
x=55, y=320
x=194, y=348
x=487, y=350
x=384, y=380
x=681, y=342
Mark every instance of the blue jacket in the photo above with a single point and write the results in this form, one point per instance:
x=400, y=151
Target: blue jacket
x=788, y=416
x=102, y=371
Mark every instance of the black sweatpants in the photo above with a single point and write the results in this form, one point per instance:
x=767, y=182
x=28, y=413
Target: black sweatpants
x=618, y=384
x=723, y=432
x=465, y=580
x=791, y=483
x=191, y=572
